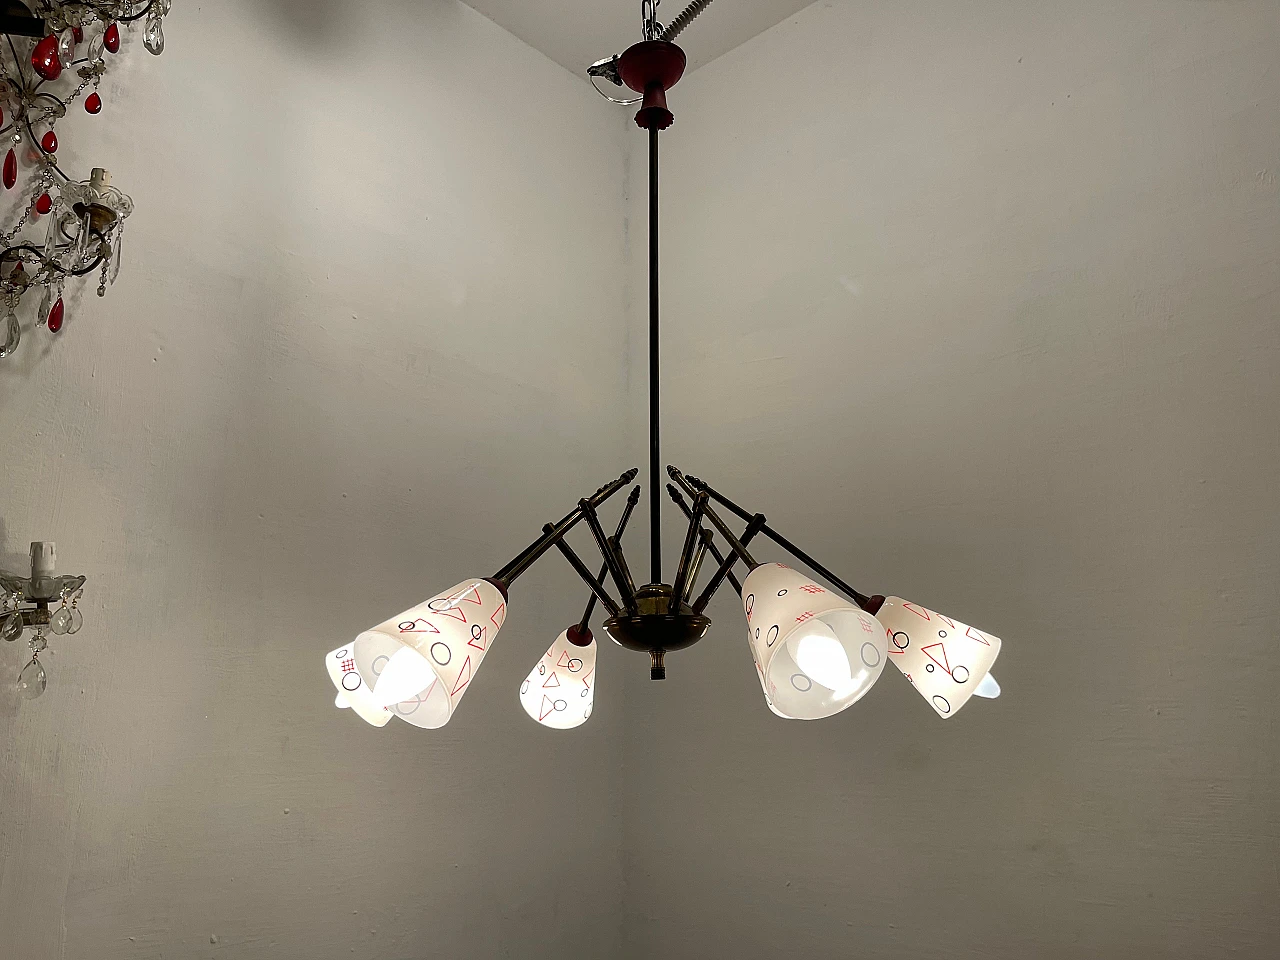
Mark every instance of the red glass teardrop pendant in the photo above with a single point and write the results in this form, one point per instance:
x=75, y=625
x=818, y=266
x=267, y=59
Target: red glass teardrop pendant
x=110, y=39
x=78, y=34
x=93, y=103
x=10, y=169
x=44, y=203
x=55, y=317
x=49, y=141
x=44, y=58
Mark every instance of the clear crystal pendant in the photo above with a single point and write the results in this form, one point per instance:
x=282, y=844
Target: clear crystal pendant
x=117, y=252
x=11, y=628
x=60, y=622
x=32, y=680
x=12, y=334
x=153, y=35
x=77, y=620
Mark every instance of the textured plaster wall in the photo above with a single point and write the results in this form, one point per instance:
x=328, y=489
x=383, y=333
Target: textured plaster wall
x=367, y=294
x=979, y=302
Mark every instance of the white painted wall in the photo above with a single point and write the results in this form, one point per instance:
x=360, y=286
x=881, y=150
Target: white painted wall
x=364, y=345
x=978, y=301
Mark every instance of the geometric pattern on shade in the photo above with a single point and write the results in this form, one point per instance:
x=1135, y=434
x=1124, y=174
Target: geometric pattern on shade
x=560, y=690
x=944, y=659
x=450, y=633
x=816, y=653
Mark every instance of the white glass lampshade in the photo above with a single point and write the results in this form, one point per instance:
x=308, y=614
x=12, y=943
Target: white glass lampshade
x=764, y=687
x=560, y=691
x=946, y=661
x=417, y=665
x=817, y=653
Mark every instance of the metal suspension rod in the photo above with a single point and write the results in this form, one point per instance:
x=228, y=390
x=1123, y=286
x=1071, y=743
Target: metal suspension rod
x=655, y=459
x=632, y=499
x=860, y=599
x=529, y=555
x=610, y=558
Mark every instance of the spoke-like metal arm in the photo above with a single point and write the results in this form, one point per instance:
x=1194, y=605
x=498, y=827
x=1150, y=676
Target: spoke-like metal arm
x=704, y=542
x=686, y=553
x=527, y=557
x=632, y=500
x=716, y=555
x=862, y=600
x=726, y=565
x=610, y=558
x=597, y=588
x=734, y=543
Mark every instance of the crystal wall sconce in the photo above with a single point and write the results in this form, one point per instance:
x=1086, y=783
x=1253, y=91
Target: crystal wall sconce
x=29, y=605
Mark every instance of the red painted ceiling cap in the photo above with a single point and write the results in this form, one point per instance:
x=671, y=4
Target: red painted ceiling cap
x=652, y=68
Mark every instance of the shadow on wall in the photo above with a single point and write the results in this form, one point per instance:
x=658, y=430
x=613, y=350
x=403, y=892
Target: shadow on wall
x=323, y=26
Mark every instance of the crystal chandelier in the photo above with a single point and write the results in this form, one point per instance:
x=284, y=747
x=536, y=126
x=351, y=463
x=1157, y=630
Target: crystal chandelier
x=817, y=649
x=25, y=604
x=56, y=52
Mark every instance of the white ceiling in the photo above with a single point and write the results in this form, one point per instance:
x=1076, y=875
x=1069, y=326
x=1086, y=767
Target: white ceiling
x=576, y=33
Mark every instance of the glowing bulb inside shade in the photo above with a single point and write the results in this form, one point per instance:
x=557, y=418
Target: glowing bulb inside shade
x=404, y=676
x=988, y=687
x=822, y=658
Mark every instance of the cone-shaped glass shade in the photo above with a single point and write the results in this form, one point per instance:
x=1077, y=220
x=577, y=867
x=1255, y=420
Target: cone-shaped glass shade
x=417, y=665
x=817, y=653
x=561, y=690
x=945, y=660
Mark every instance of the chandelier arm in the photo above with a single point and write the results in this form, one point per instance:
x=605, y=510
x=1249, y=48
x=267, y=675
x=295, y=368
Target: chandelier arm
x=620, y=577
x=734, y=543
x=655, y=458
x=686, y=553
x=4, y=255
x=632, y=499
x=704, y=541
x=866, y=603
x=753, y=527
x=597, y=588
x=711, y=547
x=527, y=557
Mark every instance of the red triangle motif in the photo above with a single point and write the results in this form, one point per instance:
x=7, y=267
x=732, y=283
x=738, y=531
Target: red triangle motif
x=499, y=616
x=587, y=678
x=452, y=612
x=943, y=663
x=479, y=642
x=947, y=620
x=551, y=681
x=464, y=676
x=546, y=709
x=417, y=626
x=473, y=598
x=564, y=659
x=973, y=634
x=918, y=611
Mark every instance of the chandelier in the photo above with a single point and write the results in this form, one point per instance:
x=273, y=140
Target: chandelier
x=26, y=602
x=817, y=649
x=55, y=53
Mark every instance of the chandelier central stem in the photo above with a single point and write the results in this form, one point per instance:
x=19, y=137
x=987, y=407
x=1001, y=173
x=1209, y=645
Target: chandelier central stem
x=655, y=457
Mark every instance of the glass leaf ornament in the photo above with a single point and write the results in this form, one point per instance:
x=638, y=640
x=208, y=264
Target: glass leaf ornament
x=60, y=621
x=66, y=47
x=153, y=35
x=11, y=628
x=32, y=680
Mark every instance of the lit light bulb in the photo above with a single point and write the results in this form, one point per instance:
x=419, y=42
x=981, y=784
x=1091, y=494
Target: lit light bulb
x=403, y=676
x=822, y=658
x=988, y=687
